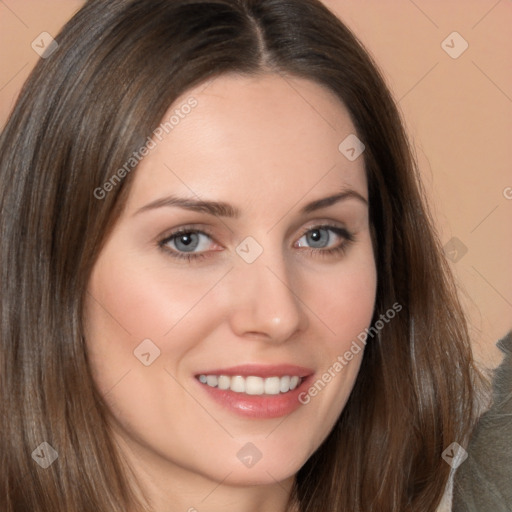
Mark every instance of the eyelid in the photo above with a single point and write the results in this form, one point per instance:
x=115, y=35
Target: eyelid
x=192, y=228
x=339, y=229
x=195, y=228
x=338, y=250
x=163, y=240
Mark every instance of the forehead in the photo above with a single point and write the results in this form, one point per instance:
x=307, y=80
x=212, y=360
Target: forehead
x=261, y=138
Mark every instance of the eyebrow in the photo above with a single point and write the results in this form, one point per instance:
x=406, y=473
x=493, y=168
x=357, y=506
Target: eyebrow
x=329, y=201
x=222, y=209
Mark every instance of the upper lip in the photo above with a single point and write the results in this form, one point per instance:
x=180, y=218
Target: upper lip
x=258, y=370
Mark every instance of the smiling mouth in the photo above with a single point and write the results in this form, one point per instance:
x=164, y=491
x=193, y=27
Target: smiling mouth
x=252, y=384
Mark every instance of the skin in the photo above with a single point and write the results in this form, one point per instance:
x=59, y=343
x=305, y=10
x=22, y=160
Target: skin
x=267, y=146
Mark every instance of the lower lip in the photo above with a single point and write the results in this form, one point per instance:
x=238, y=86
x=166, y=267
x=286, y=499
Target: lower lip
x=258, y=406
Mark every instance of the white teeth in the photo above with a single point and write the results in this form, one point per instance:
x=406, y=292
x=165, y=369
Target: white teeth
x=252, y=385
x=224, y=382
x=272, y=385
x=211, y=380
x=284, y=384
x=237, y=384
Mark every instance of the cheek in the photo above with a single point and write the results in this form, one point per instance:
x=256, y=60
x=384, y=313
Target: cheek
x=143, y=297
x=344, y=300
x=130, y=301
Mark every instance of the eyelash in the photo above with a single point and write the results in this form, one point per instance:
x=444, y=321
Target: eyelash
x=340, y=249
x=197, y=256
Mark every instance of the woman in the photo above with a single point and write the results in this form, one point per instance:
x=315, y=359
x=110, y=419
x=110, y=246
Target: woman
x=220, y=284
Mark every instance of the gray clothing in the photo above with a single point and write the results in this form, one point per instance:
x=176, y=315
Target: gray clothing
x=483, y=482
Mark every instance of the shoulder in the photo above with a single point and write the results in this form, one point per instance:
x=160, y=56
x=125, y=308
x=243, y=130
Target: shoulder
x=483, y=481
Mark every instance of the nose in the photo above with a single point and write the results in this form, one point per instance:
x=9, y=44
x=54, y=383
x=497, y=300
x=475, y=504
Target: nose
x=264, y=303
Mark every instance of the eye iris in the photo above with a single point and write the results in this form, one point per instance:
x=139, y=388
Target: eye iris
x=318, y=237
x=187, y=242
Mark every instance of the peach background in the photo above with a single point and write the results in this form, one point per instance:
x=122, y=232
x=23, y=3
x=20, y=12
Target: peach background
x=458, y=113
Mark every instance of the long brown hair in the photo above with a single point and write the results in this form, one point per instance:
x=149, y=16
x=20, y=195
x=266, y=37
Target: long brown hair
x=82, y=113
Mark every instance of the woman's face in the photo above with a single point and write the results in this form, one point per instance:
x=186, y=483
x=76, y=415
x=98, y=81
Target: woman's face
x=241, y=266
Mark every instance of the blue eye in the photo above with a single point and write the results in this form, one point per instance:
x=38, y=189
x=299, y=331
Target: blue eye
x=192, y=244
x=327, y=238
x=187, y=242
x=318, y=238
